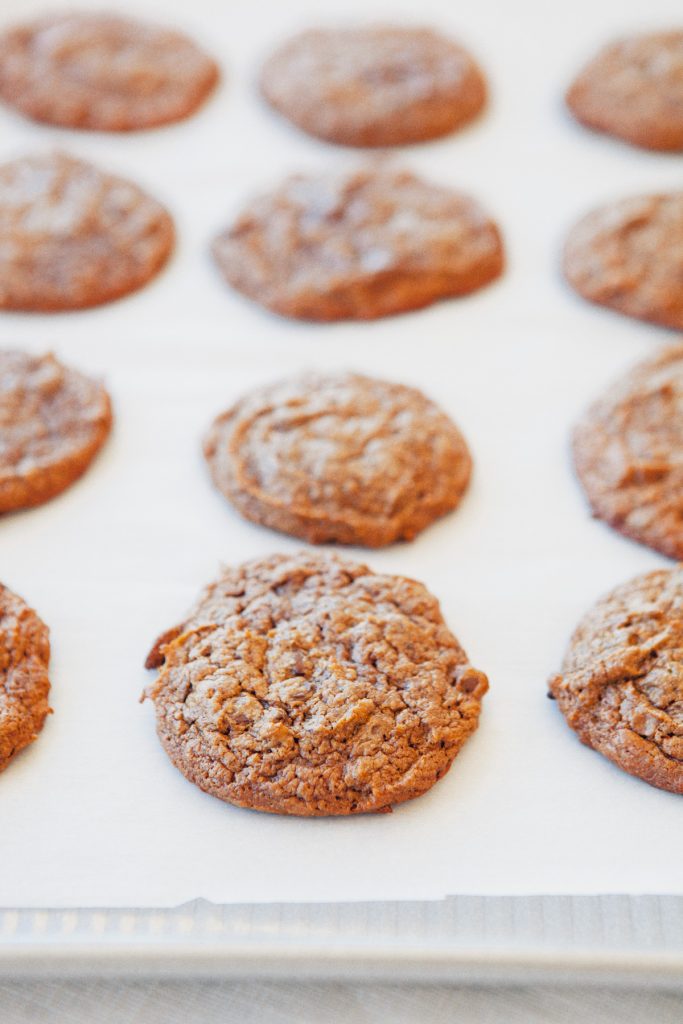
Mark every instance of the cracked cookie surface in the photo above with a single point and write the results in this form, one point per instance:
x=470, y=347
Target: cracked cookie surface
x=358, y=245
x=309, y=685
x=628, y=451
x=621, y=685
x=53, y=422
x=633, y=89
x=72, y=236
x=102, y=72
x=375, y=86
x=339, y=458
x=24, y=682
x=628, y=255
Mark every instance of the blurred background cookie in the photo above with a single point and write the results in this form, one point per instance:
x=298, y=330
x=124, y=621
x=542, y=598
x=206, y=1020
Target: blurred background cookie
x=53, y=422
x=628, y=450
x=379, y=85
x=628, y=255
x=633, y=89
x=24, y=682
x=103, y=72
x=358, y=245
x=72, y=236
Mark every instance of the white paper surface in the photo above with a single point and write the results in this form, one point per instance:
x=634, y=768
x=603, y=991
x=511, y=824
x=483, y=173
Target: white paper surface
x=94, y=813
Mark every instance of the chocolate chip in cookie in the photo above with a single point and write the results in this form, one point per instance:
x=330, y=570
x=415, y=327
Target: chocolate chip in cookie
x=621, y=684
x=358, y=245
x=339, y=457
x=72, y=236
x=378, y=85
x=102, y=72
x=53, y=422
x=309, y=685
x=24, y=682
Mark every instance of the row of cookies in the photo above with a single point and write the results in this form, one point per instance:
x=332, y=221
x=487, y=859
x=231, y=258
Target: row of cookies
x=348, y=459
x=434, y=703
x=365, y=244
x=310, y=685
x=361, y=244
x=621, y=684
x=276, y=718
x=345, y=459
x=363, y=732
x=380, y=85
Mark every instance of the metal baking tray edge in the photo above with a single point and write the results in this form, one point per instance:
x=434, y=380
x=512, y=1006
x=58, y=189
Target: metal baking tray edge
x=600, y=939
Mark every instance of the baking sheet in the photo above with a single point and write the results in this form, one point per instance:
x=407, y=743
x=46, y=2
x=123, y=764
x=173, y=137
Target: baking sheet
x=482, y=940
x=93, y=814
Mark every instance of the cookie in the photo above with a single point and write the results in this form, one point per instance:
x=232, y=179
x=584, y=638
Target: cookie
x=72, y=236
x=633, y=89
x=628, y=451
x=309, y=685
x=621, y=685
x=102, y=72
x=24, y=682
x=375, y=86
x=358, y=245
x=53, y=421
x=340, y=458
x=628, y=255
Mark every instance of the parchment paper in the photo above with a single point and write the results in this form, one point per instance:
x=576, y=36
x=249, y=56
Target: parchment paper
x=93, y=813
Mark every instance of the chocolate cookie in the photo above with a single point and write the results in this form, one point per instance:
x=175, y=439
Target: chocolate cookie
x=53, y=421
x=358, y=246
x=339, y=458
x=72, y=236
x=24, y=683
x=628, y=450
x=374, y=86
x=628, y=255
x=633, y=89
x=309, y=685
x=621, y=687
x=102, y=72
